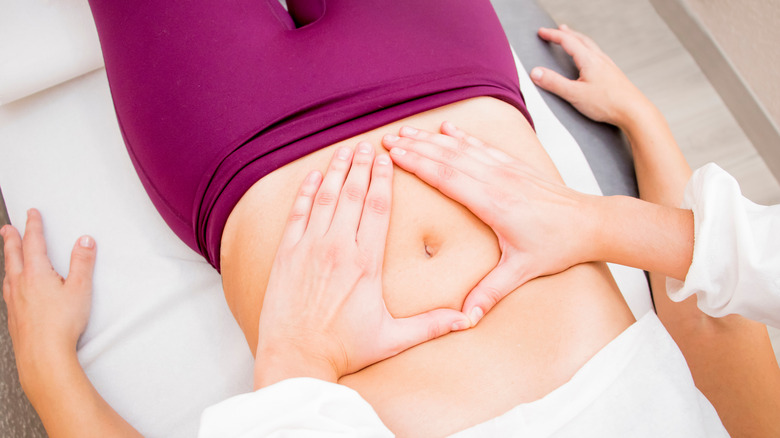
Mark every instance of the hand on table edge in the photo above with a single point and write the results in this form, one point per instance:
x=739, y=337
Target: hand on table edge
x=566, y=227
x=602, y=92
x=330, y=319
x=46, y=316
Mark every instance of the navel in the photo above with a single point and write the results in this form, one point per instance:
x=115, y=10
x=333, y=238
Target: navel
x=430, y=249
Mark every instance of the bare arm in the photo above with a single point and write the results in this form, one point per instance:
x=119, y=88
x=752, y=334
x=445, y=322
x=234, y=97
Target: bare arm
x=325, y=315
x=68, y=404
x=543, y=227
x=731, y=358
x=46, y=316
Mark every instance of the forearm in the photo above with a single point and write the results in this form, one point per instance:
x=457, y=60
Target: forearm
x=730, y=358
x=69, y=406
x=661, y=169
x=643, y=235
x=662, y=174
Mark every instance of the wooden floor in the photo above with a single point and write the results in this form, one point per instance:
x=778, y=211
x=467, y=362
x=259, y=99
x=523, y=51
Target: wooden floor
x=639, y=41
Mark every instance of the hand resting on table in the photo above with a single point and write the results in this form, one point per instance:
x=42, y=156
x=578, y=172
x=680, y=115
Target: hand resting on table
x=602, y=92
x=46, y=313
x=46, y=316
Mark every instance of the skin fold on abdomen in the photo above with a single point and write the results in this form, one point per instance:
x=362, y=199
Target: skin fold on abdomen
x=532, y=342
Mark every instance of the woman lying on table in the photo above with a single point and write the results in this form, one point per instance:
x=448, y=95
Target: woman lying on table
x=557, y=352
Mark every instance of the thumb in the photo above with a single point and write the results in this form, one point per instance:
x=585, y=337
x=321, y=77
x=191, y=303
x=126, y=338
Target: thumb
x=555, y=83
x=82, y=264
x=497, y=284
x=426, y=326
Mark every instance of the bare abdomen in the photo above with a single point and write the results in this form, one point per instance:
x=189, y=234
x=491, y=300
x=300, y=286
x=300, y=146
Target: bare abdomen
x=532, y=342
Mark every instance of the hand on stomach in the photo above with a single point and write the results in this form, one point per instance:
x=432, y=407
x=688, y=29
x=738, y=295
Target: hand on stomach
x=533, y=341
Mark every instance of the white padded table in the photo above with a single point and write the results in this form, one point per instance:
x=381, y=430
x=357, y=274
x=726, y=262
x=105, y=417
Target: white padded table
x=161, y=344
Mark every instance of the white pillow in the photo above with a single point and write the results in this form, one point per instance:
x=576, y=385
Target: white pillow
x=44, y=43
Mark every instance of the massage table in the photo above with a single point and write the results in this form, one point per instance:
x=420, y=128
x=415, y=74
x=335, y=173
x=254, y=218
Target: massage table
x=161, y=344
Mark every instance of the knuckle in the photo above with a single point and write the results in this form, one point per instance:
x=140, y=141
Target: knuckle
x=381, y=173
x=463, y=144
x=434, y=331
x=77, y=281
x=13, y=245
x=493, y=295
x=30, y=274
x=298, y=215
x=307, y=191
x=379, y=205
x=339, y=165
x=81, y=256
x=444, y=172
x=451, y=154
x=330, y=252
x=326, y=199
x=506, y=174
x=12, y=271
x=367, y=262
x=354, y=193
x=11, y=281
x=474, y=141
x=362, y=160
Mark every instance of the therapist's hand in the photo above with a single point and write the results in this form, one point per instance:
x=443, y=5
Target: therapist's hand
x=46, y=313
x=602, y=92
x=323, y=312
x=543, y=227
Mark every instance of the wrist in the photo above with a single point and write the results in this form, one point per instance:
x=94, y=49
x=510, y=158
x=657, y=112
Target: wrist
x=601, y=210
x=623, y=221
x=635, y=114
x=47, y=375
x=276, y=363
x=646, y=236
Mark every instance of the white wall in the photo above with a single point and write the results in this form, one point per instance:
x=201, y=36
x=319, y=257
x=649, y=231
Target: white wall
x=748, y=32
x=735, y=43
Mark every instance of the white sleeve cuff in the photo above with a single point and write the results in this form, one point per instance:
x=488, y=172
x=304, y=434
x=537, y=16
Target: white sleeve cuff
x=301, y=406
x=736, y=253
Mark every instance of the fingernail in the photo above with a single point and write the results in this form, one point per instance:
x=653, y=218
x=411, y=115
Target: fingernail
x=312, y=177
x=390, y=138
x=408, y=130
x=87, y=242
x=398, y=151
x=448, y=125
x=343, y=154
x=475, y=315
x=536, y=73
x=364, y=148
x=564, y=27
x=383, y=160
